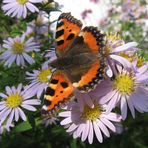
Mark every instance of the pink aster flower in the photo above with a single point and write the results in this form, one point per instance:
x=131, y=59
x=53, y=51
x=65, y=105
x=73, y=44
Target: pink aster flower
x=128, y=90
x=19, y=8
x=17, y=51
x=84, y=121
x=114, y=47
x=38, y=80
x=13, y=102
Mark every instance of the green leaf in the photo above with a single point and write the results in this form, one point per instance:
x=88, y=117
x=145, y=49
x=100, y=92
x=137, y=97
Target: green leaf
x=25, y=126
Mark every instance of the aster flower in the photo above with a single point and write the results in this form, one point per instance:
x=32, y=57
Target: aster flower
x=132, y=10
x=13, y=101
x=38, y=26
x=17, y=51
x=19, y=8
x=84, y=121
x=127, y=89
x=50, y=120
x=115, y=46
x=38, y=80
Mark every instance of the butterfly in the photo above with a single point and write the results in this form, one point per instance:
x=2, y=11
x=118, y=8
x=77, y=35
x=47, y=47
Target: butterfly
x=80, y=63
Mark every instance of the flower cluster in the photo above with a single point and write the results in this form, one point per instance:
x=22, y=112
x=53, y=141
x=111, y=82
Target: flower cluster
x=124, y=87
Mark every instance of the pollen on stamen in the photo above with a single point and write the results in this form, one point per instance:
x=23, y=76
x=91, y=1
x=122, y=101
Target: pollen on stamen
x=91, y=113
x=14, y=100
x=18, y=47
x=124, y=83
x=22, y=2
x=43, y=75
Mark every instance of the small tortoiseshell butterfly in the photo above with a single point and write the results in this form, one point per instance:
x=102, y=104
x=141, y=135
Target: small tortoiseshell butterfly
x=80, y=62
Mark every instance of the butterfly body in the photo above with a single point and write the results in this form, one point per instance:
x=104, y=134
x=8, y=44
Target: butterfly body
x=80, y=62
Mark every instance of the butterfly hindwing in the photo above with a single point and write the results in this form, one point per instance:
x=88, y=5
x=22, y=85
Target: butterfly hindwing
x=67, y=30
x=93, y=39
x=91, y=77
x=59, y=91
x=90, y=47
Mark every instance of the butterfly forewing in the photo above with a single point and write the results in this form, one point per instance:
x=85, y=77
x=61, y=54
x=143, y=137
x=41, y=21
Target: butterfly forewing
x=68, y=29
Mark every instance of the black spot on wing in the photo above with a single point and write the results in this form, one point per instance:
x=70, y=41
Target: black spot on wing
x=59, y=33
x=64, y=84
x=59, y=24
x=60, y=42
x=47, y=102
x=70, y=37
x=54, y=81
x=50, y=91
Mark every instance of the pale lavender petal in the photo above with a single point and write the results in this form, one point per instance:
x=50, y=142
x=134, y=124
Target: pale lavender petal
x=22, y=60
x=97, y=132
x=4, y=114
x=31, y=7
x=130, y=105
x=10, y=118
x=124, y=47
x=2, y=107
x=112, y=116
x=3, y=95
x=2, y=102
x=123, y=107
x=66, y=121
x=91, y=133
x=121, y=60
x=112, y=103
x=142, y=69
x=80, y=129
x=142, y=78
x=8, y=90
x=140, y=101
x=16, y=114
x=72, y=127
x=65, y=114
x=18, y=60
x=108, y=124
x=88, y=101
x=22, y=115
x=110, y=95
x=24, y=12
x=31, y=102
x=103, y=128
x=28, y=58
x=28, y=107
x=19, y=87
x=85, y=132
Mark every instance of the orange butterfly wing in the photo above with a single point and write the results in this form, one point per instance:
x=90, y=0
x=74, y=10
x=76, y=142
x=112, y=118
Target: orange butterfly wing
x=67, y=30
x=93, y=38
x=95, y=41
x=57, y=93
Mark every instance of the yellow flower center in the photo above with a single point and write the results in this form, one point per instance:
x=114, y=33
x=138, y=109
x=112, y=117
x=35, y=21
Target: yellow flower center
x=22, y=2
x=14, y=100
x=31, y=34
x=18, y=47
x=91, y=113
x=111, y=38
x=140, y=61
x=126, y=56
x=124, y=84
x=43, y=75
